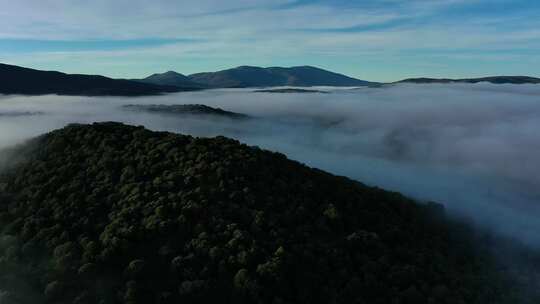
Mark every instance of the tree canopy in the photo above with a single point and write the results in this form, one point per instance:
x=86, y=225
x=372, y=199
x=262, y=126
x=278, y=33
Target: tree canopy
x=110, y=213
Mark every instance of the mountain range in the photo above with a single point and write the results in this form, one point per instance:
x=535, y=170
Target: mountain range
x=251, y=76
x=25, y=81
x=301, y=76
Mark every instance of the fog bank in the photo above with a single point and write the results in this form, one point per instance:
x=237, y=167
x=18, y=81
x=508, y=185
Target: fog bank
x=473, y=148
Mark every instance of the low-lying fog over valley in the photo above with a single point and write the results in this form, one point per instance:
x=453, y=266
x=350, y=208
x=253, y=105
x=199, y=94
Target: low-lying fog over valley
x=472, y=147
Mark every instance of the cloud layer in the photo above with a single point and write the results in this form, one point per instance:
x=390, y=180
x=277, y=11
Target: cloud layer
x=470, y=147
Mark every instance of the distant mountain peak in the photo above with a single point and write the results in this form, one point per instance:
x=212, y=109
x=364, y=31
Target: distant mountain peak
x=171, y=78
x=253, y=76
x=172, y=73
x=166, y=74
x=248, y=67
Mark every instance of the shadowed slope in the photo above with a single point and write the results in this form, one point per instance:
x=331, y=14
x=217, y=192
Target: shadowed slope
x=18, y=80
x=109, y=213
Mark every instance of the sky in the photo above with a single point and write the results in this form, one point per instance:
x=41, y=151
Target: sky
x=376, y=40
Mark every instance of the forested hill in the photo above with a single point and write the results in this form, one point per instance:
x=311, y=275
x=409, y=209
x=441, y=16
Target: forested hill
x=109, y=213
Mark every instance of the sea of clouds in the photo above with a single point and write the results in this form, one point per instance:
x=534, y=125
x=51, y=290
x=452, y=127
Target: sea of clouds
x=474, y=148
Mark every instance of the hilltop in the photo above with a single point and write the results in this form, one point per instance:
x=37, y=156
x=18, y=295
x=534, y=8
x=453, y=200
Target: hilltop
x=110, y=213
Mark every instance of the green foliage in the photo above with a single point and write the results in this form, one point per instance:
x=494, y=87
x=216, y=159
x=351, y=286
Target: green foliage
x=121, y=214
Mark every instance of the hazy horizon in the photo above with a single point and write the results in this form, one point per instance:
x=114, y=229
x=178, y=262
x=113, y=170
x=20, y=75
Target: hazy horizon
x=292, y=66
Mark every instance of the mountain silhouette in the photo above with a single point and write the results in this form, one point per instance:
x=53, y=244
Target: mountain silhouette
x=25, y=81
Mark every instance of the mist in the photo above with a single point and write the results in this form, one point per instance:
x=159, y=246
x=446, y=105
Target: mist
x=472, y=147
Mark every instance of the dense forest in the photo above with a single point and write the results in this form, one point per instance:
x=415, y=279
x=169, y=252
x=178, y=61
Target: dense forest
x=109, y=213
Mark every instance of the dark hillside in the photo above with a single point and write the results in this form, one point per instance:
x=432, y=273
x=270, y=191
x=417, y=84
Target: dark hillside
x=251, y=76
x=109, y=213
x=18, y=80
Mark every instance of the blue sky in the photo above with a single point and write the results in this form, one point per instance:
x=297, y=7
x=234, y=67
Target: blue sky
x=382, y=40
